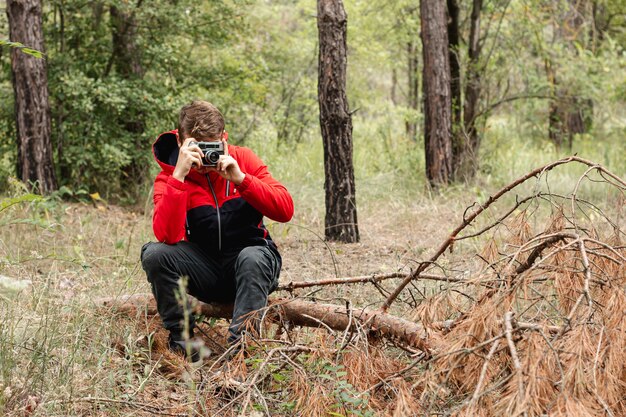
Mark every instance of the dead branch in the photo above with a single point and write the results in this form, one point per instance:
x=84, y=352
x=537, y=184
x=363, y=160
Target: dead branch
x=483, y=372
x=537, y=251
x=374, y=278
x=467, y=221
x=508, y=331
x=298, y=312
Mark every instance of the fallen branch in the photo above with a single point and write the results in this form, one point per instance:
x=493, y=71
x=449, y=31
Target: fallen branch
x=290, y=286
x=483, y=372
x=482, y=207
x=297, y=312
x=508, y=331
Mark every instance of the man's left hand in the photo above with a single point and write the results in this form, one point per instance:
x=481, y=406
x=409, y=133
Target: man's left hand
x=228, y=168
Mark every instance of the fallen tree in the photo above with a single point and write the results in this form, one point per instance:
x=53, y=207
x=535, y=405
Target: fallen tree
x=299, y=313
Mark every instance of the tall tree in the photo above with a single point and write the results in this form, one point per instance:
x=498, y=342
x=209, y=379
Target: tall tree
x=410, y=18
x=127, y=60
x=30, y=86
x=413, y=87
x=336, y=123
x=468, y=159
x=569, y=113
x=454, y=40
x=437, y=95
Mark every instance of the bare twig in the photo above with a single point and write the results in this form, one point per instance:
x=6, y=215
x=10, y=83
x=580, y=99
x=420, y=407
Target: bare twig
x=483, y=372
x=374, y=278
x=508, y=332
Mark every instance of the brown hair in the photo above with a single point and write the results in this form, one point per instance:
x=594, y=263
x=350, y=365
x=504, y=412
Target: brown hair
x=201, y=120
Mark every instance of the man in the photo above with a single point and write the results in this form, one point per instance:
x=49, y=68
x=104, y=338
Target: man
x=209, y=224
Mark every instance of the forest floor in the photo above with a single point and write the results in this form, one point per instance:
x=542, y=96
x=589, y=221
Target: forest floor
x=60, y=354
x=72, y=253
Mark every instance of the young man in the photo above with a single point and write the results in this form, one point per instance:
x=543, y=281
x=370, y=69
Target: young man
x=209, y=224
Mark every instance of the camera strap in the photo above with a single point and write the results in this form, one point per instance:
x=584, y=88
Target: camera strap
x=217, y=208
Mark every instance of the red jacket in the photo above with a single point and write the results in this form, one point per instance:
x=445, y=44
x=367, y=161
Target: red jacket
x=213, y=212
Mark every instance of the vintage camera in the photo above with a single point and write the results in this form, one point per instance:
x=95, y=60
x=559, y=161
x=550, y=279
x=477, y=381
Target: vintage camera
x=211, y=151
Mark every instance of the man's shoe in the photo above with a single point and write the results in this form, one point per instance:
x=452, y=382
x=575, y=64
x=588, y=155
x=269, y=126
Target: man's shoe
x=189, y=348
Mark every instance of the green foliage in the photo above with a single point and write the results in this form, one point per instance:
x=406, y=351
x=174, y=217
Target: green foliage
x=257, y=61
x=349, y=401
x=26, y=198
x=21, y=47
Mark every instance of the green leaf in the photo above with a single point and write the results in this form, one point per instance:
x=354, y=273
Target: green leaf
x=279, y=377
x=6, y=203
x=22, y=47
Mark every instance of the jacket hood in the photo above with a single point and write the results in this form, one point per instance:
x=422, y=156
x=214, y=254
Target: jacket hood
x=165, y=150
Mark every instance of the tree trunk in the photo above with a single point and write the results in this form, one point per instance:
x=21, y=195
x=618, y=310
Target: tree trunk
x=30, y=86
x=300, y=313
x=336, y=124
x=394, y=86
x=569, y=113
x=468, y=163
x=413, y=87
x=455, y=81
x=600, y=24
x=437, y=99
x=127, y=59
x=62, y=166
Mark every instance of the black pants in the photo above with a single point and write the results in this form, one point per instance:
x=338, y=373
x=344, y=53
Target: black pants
x=246, y=278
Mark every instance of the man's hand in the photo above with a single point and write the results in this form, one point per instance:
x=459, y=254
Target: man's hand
x=228, y=168
x=188, y=157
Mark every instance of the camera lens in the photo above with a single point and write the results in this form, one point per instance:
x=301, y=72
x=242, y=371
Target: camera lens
x=213, y=157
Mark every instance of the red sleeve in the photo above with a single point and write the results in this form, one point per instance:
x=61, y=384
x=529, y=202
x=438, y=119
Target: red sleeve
x=263, y=192
x=170, y=209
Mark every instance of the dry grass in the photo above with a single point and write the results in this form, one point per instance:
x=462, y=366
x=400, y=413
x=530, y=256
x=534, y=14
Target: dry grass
x=514, y=338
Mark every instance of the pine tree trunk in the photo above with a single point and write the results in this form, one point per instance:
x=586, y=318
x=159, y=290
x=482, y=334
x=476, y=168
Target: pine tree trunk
x=413, y=88
x=32, y=108
x=437, y=96
x=458, y=139
x=468, y=164
x=336, y=123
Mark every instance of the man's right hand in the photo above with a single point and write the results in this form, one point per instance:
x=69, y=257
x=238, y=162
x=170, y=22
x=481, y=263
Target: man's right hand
x=188, y=157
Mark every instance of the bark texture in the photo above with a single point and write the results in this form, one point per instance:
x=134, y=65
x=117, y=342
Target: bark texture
x=336, y=123
x=126, y=53
x=455, y=76
x=468, y=160
x=30, y=86
x=437, y=96
x=300, y=313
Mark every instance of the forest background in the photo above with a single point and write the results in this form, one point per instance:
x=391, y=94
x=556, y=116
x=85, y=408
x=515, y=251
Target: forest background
x=257, y=61
x=119, y=71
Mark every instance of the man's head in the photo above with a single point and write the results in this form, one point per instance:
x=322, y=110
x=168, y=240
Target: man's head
x=200, y=120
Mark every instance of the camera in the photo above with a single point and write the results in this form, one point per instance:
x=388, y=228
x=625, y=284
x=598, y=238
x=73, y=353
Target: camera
x=211, y=151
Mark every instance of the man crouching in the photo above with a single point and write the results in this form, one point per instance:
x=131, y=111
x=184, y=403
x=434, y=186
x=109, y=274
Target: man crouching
x=209, y=203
